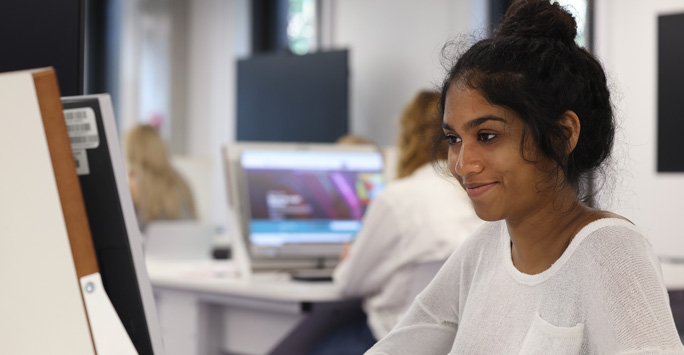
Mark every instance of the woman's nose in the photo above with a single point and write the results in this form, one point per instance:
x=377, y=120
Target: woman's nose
x=468, y=162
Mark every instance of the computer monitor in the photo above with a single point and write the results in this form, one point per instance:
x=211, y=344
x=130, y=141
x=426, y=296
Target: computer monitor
x=300, y=88
x=116, y=237
x=301, y=201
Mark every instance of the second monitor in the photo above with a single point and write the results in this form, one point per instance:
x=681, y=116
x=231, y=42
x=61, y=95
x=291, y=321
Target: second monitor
x=302, y=201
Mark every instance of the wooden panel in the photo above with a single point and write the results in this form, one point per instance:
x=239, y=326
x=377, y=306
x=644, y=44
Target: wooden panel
x=65, y=172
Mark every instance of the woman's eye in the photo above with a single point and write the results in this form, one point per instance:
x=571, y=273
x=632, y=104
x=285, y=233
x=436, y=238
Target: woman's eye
x=452, y=139
x=486, y=137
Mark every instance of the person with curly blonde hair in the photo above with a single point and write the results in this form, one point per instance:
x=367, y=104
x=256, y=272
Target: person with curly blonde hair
x=158, y=191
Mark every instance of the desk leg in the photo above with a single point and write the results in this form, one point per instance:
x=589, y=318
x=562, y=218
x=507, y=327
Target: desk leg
x=178, y=321
x=188, y=326
x=255, y=331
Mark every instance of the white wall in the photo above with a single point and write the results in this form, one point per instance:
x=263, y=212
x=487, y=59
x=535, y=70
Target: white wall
x=395, y=52
x=627, y=43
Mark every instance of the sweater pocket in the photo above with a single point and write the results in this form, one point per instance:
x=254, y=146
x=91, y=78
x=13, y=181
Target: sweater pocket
x=544, y=338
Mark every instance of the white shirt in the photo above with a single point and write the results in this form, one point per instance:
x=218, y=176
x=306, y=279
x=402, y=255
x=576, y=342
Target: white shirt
x=604, y=295
x=420, y=218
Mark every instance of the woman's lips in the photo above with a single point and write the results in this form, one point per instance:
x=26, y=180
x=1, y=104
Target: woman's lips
x=476, y=190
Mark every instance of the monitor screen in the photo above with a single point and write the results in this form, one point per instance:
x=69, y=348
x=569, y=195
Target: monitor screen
x=293, y=98
x=307, y=201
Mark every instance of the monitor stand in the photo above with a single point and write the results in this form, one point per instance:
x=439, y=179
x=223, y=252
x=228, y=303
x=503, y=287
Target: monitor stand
x=318, y=274
x=312, y=275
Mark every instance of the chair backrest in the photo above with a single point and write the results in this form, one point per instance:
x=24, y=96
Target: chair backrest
x=197, y=172
x=178, y=240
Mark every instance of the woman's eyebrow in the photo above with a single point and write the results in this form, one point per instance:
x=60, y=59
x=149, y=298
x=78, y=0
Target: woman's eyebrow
x=475, y=122
x=480, y=120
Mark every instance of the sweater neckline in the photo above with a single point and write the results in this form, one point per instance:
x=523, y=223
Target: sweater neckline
x=529, y=279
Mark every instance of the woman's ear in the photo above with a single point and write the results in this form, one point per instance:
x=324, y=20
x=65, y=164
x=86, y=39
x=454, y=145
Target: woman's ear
x=571, y=125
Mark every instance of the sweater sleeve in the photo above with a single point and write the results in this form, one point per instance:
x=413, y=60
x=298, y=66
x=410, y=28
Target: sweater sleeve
x=629, y=306
x=430, y=324
x=367, y=266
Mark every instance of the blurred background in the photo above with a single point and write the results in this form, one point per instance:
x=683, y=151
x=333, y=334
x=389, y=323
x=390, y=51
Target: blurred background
x=175, y=64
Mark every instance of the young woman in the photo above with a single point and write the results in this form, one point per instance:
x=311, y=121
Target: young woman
x=527, y=114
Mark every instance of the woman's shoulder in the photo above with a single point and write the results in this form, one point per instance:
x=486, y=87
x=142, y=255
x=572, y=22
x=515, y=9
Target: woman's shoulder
x=613, y=243
x=595, y=215
x=607, y=226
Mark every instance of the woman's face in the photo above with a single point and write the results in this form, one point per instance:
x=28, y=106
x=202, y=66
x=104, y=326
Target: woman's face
x=485, y=156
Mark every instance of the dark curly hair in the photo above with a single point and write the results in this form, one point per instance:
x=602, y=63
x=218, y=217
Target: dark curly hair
x=533, y=66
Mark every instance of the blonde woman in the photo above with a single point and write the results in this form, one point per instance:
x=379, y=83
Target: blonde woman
x=158, y=191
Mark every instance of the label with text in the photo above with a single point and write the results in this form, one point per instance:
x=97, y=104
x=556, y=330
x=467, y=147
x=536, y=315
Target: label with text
x=82, y=128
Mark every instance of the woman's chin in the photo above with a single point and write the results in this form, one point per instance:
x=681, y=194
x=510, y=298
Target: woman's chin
x=487, y=215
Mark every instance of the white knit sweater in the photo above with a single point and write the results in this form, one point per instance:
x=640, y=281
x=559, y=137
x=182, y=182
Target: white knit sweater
x=604, y=295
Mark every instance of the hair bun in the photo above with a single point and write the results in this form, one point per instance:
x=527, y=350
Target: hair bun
x=538, y=19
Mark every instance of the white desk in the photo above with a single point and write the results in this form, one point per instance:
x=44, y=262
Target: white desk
x=204, y=309
x=673, y=274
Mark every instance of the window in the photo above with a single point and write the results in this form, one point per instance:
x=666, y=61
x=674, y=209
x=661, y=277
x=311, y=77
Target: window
x=301, y=26
x=580, y=9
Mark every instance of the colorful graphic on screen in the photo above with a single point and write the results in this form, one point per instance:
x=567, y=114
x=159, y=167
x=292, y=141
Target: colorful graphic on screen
x=309, y=196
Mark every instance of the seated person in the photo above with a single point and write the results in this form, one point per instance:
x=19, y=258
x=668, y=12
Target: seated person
x=419, y=218
x=158, y=191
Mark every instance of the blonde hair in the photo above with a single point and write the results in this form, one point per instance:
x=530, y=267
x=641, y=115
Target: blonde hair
x=417, y=128
x=163, y=192
x=353, y=139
